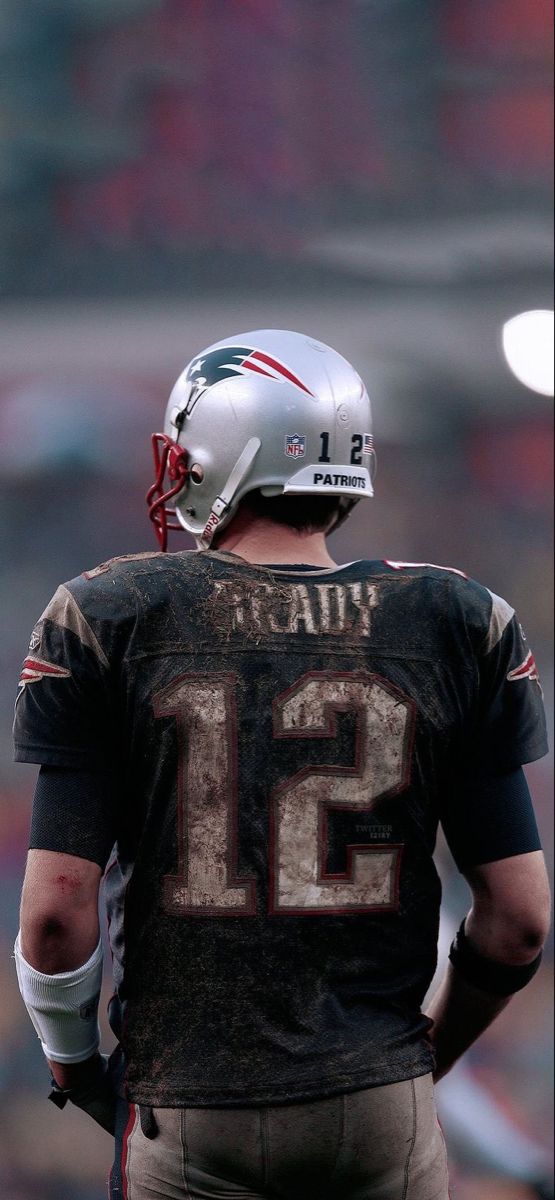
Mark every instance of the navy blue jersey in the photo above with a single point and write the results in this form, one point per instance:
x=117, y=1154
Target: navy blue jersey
x=282, y=741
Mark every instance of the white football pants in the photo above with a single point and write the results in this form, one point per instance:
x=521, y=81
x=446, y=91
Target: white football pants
x=380, y=1144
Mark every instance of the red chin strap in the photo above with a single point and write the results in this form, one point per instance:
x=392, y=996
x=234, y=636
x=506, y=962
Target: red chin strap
x=170, y=458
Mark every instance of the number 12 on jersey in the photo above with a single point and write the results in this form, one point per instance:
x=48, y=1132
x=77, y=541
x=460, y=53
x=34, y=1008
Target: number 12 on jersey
x=207, y=884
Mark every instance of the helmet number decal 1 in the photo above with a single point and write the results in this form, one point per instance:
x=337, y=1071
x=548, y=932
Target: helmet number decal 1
x=325, y=448
x=207, y=881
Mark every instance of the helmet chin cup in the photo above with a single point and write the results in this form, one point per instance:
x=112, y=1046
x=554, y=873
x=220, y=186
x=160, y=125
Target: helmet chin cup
x=170, y=460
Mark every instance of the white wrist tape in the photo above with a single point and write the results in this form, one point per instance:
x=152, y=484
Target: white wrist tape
x=63, y=1008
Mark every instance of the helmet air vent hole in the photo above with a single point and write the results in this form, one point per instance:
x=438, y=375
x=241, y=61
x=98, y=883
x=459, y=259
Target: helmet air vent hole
x=196, y=473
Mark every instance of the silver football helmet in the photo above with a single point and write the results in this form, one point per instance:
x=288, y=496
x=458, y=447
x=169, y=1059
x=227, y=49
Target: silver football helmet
x=272, y=410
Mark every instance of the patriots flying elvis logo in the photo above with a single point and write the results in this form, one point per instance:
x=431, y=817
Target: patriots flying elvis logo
x=34, y=669
x=236, y=360
x=526, y=670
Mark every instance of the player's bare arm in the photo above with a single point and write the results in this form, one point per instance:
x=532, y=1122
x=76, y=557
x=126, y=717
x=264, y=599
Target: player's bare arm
x=506, y=929
x=59, y=936
x=59, y=911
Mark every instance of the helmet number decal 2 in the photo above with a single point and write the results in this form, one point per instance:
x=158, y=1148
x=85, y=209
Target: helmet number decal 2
x=356, y=452
x=207, y=882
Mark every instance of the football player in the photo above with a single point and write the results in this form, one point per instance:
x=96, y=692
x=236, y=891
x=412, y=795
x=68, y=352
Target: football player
x=269, y=740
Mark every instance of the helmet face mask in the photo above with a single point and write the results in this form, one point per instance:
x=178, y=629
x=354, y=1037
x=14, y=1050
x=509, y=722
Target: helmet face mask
x=269, y=410
x=170, y=459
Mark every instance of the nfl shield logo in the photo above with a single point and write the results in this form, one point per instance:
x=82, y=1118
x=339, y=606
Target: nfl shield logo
x=295, y=445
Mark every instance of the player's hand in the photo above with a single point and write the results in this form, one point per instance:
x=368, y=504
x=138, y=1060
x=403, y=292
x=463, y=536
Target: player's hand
x=90, y=1088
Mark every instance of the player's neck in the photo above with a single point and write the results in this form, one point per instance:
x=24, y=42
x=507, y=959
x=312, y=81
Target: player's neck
x=262, y=541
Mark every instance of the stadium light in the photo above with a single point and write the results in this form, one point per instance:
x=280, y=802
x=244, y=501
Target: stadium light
x=528, y=348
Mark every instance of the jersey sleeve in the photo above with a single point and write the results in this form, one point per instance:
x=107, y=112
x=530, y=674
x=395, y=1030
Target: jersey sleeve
x=487, y=817
x=510, y=728
x=64, y=707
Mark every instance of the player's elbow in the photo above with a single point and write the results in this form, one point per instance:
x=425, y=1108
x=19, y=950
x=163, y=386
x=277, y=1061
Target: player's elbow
x=513, y=937
x=528, y=919
x=51, y=940
x=530, y=933
x=42, y=928
x=536, y=928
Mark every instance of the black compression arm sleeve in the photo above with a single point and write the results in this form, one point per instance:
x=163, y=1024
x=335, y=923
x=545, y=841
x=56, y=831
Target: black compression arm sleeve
x=74, y=812
x=488, y=817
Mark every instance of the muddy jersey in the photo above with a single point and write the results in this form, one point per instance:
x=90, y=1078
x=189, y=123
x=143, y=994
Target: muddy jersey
x=282, y=741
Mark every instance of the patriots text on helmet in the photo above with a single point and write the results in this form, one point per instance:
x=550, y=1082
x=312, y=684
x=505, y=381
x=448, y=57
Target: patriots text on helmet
x=340, y=481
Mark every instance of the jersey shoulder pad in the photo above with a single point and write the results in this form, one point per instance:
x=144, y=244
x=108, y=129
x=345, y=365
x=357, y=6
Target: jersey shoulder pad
x=67, y=613
x=123, y=564
x=424, y=568
x=484, y=614
x=94, y=600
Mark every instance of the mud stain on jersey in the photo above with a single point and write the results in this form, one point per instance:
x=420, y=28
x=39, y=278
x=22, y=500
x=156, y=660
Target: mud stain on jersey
x=259, y=610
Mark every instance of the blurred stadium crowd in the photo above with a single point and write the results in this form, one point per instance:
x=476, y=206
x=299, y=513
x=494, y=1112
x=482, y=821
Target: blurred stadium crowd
x=141, y=133
x=173, y=172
